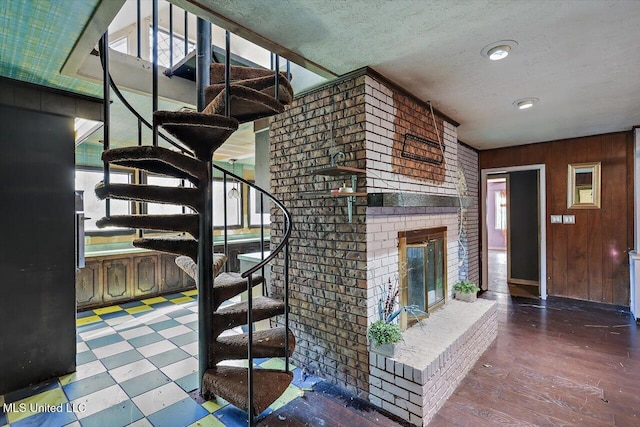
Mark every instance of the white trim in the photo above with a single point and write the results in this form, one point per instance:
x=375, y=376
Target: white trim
x=634, y=257
x=541, y=217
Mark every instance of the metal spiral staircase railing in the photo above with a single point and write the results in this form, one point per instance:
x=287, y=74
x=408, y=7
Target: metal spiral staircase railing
x=237, y=95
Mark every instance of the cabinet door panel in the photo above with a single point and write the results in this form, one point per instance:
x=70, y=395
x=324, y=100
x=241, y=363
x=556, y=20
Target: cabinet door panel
x=146, y=277
x=117, y=279
x=88, y=285
x=173, y=278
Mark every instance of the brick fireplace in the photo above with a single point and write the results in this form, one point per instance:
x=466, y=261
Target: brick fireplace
x=338, y=265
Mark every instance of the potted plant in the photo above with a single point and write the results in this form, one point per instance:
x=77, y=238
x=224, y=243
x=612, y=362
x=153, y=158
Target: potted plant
x=384, y=333
x=383, y=337
x=466, y=290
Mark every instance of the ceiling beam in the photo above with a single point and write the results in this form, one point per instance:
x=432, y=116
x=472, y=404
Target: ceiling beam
x=98, y=24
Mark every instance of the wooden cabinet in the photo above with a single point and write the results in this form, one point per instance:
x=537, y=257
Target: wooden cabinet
x=111, y=279
x=173, y=278
x=89, y=284
x=146, y=276
x=117, y=280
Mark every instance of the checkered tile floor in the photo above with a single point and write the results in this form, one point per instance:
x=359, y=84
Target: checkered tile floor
x=137, y=365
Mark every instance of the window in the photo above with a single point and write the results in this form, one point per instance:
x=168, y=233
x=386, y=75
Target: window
x=162, y=208
x=94, y=208
x=501, y=210
x=121, y=45
x=254, y=208
x=234, y=205
x=163, y=48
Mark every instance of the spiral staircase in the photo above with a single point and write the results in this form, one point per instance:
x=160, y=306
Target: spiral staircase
x=252, y=94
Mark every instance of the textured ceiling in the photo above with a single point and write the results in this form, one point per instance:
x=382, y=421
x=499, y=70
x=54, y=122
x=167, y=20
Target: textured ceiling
x=580, y=58
x=36, y=37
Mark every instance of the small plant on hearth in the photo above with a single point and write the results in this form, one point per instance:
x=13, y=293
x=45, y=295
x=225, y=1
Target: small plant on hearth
x=466, y=287
x=386, y=330
x=384, y=333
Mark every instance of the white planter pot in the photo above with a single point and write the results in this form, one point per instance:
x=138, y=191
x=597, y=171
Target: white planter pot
x=388, y=350
x=466, y=297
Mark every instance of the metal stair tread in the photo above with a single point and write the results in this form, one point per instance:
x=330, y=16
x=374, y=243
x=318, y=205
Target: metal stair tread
x=179, y=245
x=176, y=222
x=246, y=104
x=265, y=85
x=238, y=73
x=266, y=343
x=230, y=383
x=157, y=160
x=235, y=315
x=227, y=285
x=201, y=132
x=151, y=193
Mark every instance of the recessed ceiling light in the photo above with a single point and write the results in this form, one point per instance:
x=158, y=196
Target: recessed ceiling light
x=525, y=103
x=499, y=50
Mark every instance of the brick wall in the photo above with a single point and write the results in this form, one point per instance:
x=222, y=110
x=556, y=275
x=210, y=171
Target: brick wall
x=327, y=254
x=336, y=266
x=470, y=236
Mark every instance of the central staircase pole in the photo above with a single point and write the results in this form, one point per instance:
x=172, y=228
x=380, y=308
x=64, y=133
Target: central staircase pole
x=205, y=240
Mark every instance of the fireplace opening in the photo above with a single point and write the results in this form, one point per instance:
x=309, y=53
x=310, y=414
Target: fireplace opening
x=423, y=280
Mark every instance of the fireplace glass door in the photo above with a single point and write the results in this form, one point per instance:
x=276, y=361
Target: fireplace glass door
x=424, y=254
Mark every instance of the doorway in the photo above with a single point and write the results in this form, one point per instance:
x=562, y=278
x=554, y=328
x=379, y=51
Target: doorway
x=514, y=231
x=496, y=223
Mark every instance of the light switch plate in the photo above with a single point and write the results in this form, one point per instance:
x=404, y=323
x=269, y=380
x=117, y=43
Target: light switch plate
x=556, y=219
x=569, y=219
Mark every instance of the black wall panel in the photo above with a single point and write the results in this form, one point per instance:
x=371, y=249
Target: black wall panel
x=37, y=271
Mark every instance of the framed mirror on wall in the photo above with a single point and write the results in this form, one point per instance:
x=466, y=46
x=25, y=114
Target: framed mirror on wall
x=583, y=186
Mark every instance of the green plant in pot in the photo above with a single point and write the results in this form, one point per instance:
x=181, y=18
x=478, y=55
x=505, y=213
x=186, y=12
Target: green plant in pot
x=381, y=332
x=384, y=333
x=466, y=290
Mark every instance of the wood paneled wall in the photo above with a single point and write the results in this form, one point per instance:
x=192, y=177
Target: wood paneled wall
x=588, y=260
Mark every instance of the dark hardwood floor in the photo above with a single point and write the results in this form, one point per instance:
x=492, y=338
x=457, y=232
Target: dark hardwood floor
x=554, y=363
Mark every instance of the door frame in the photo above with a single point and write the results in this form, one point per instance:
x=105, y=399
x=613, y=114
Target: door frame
x=542, y=238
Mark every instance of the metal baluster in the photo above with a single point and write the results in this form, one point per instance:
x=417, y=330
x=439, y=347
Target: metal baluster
x=154, y=89
x=250, y=347
x=224, y=225
x=277, y=88
x=171, y=35
x=264, y=283
x=138, y=28
x=186, y=33
x=106, y=106
x=227, y=75
x=286, y=305
x=288, y=70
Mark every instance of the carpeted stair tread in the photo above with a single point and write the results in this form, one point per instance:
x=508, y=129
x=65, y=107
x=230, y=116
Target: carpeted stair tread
x=267, y=343
x=238, y=72
x=265, y=85
x=151, y=193
x=179, y=222
x=236, y=315
x=246, y=104
x=178, y=245
x=230, y=383
x=201, y=132
x=228, y=285
x=157, y=160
